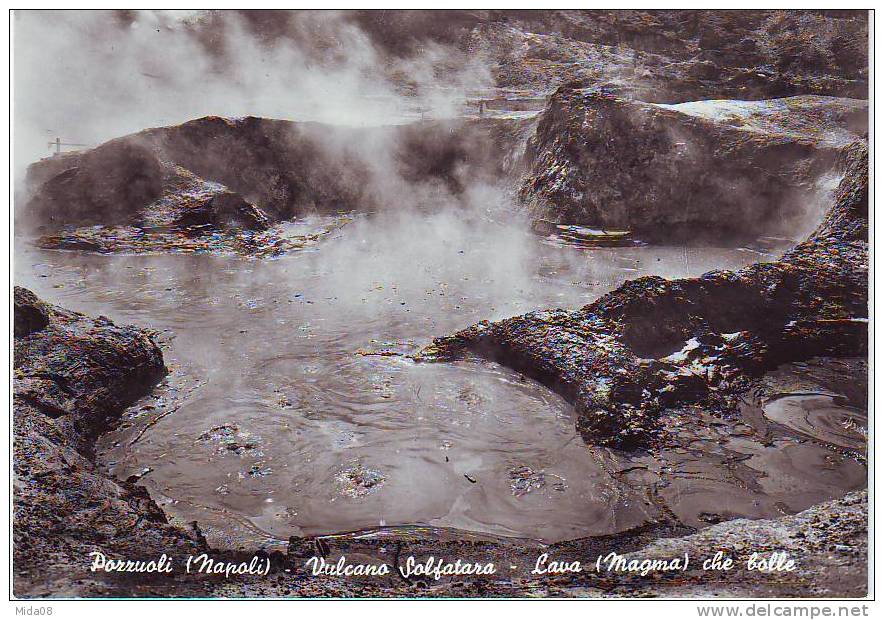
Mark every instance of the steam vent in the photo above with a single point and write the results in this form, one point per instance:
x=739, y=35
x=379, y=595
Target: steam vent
x=441, y=304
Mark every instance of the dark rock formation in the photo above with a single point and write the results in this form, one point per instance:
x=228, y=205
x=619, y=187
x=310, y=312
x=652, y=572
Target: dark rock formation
x=279, y=166
x=29, y=314
x=656, y=343
x=79, y=372
x=704, y=169
x=713, y=169
x=106, y=185
x=224, y=209
x=215, y=175
x=671, y=56
x=72, y=378
x=676, y=160
x=600, y=156
x=290, y=169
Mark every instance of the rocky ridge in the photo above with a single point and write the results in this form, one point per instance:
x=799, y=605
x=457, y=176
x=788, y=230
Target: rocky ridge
x=655, y=343
x=706, y=170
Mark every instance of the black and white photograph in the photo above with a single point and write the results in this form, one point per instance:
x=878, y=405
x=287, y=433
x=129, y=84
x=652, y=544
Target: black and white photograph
x=441, y=304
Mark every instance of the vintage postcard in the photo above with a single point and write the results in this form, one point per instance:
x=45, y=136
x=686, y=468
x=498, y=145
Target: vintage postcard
x=441, y=304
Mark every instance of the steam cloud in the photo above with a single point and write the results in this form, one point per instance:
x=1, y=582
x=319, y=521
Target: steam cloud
x=89, y=76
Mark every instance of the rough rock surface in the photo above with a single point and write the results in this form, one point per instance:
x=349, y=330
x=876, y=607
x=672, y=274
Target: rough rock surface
x=72, y=378
x=702, y=169
x=289, y=169
x=590, y=158
x=655, y=343
x=225, y=209
x=30, y=313
x=105, y=185
x=213, y=177
x=670, y=56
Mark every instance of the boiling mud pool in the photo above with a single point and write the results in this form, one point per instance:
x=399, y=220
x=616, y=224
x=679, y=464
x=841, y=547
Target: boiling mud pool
x=281, y=426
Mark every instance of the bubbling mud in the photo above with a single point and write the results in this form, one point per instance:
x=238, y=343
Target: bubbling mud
x=293, y=408
x=825, y=417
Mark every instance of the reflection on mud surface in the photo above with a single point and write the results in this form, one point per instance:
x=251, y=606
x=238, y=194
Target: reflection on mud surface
x=825, y=417
x=285, y=426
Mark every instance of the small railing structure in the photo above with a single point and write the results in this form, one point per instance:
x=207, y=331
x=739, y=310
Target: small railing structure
x=58, y=144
